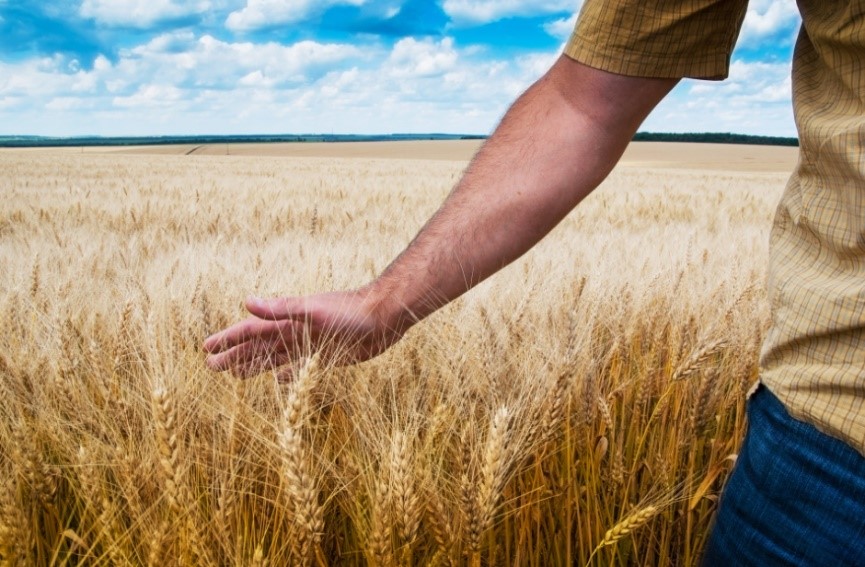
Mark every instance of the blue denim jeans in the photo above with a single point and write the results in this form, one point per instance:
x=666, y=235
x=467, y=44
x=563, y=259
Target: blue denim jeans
x=796, y=496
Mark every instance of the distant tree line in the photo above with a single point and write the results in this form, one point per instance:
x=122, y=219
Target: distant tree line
x=42, y=141
x=716, y=138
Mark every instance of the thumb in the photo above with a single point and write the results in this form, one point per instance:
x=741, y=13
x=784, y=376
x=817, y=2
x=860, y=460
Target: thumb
x=275, y=309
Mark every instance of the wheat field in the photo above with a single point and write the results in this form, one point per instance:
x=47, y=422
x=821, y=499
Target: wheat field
x=583, y=407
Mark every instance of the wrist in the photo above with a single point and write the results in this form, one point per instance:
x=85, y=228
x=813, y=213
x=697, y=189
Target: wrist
x=390, y=314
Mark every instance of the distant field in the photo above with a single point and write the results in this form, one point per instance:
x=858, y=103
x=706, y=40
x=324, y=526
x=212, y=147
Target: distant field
x=731, y=157
x=583, y=407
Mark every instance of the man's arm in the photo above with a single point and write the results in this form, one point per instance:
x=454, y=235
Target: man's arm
x=557, y=142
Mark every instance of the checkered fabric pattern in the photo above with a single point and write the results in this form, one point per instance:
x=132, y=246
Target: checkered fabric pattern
x=813, y=358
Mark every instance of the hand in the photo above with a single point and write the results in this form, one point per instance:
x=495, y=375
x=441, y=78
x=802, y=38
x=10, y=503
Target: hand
x=343, y=327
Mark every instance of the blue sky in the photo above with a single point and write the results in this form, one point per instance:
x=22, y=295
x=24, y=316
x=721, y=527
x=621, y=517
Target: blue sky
x=153, y=67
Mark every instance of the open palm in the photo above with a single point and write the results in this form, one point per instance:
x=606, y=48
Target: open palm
x=341, y=326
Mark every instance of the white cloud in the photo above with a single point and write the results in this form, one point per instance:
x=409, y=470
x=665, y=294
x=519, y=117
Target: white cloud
x=101, y=63
x=256, y=79
x=10, y=102
x=45, y=76
x=151, y=96
x=262, y=13
x=339, y=84
x=769, y=18
x=484, y=11
x=758, y=82
x=183, y=83
x=413, y=58
x=561, y=28
x=755, y=99
x=140, y=13
x=417, y=86
x=421, y=86
x=207, y=62
x=174, y=41
x=776, y=92
x=162, y=86
x=66, y=103
x=536, y=64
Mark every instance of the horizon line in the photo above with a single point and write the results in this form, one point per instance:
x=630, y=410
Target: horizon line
x=27, y=140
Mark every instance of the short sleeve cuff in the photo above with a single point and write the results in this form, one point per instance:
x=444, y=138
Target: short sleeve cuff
x=658, y=38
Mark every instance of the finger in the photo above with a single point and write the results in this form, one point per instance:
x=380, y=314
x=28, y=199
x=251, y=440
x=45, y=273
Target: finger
x=243, y=354
x=283, y=336
x=250, y=329
x=270, y=363
x=252, y=368
x=283, y=364
x=277, y=308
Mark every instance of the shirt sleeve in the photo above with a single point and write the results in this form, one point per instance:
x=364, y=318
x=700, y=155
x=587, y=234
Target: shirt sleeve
x=660, y=38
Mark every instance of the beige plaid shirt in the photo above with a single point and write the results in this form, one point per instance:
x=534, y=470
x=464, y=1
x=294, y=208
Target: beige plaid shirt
x=813, y=359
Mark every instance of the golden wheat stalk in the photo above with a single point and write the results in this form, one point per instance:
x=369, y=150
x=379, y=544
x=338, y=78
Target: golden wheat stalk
x=698, y=359
x=180, y=501
x=379, y=536
x=551, y=422
x=156, y=544
x=625, y=527
x=14, y=525
x=440, y=525
x=406, y=503
x=165, y=419
x=307, y=514
x=494, y=469
x=88, y=324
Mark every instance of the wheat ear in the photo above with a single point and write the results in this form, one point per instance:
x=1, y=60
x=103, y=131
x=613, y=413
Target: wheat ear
x=165, y=417
x=493, y=476
x=698, y=359
x=307, y=514
x=407, y=505
x=625, y=527
x=14, y=526
x=379, y=538
x=440, y=526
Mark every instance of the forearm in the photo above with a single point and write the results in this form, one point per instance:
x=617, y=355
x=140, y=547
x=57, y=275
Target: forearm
x=553, y=147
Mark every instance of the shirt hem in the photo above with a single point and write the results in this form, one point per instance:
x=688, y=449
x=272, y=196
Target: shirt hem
x=711, y=66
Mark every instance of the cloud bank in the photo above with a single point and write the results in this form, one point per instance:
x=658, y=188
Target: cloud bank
x=151, y=67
